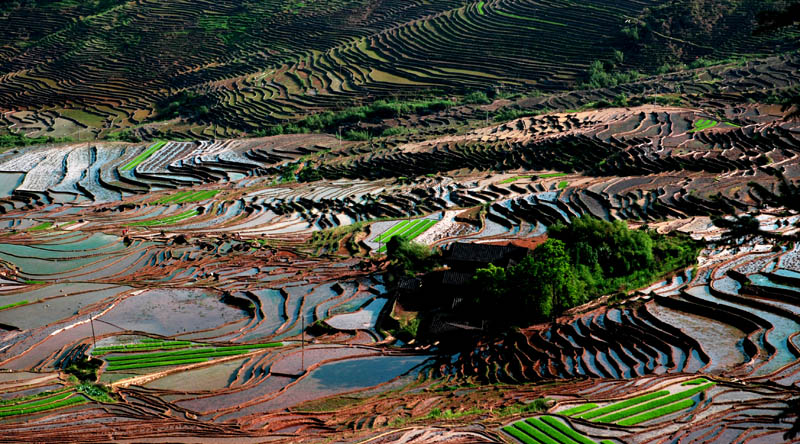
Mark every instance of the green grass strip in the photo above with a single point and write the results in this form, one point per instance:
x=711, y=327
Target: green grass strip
x=138, y=348
x=623, y=404
x=554, y=433
x=386, y=234
x=172, y=197
x=143, y=343
x=520, y=435
x=24, y=399
x=563, y=184
x=577, y=409
x=607, y=441
x=480, y=7
x=703, y=124
x=166, y=220
x=697, y=381
x=657, y=413
x=191, y=352
x=408, y=228
x=171, y=360
x=551, y=175
x=63, y=403
x=566, y=430
x=155, y=364
x=37, y=402
x=198, y=196
x=411, y=227
x=656, y=403
x=513, y=179
x=41, y=226
x=534, y=433
x=15, y=304
x=141, y=349
x=140, y=345
x=141, y=157
x=533, y=19
x=421, y=229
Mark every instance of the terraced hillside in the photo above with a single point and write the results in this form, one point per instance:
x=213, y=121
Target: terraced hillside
x=162, y=276
x=228, y=68
x=195, y=266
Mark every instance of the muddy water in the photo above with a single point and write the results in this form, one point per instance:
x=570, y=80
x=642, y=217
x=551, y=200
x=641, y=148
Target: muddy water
x=721, y=342
x=170, y=312
x=211, y=378
x=778, y=337
x=66, y=301
x=339, y=377
x=9, y=182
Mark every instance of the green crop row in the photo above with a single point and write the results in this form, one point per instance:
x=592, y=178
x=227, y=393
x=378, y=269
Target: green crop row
x=408, y=230
x=140, y=349
x=40, y=408
x=552, y=175
x=191, y=353
x=566, y=430
x=654, y=404
x=143, y=346
x=15, y=304
x=697, y=381
x=159, y=364
x=546, y=430
x=42, y=226
x=143, y=343
x=623, y=404
x=37, y=402
x=657, y=413
x=168, y=360
x=183, y=344
x=556, y=434
x=180, y=357
x=141, y=157
x=166, y=220
x=535, y=433
x=187, y=197
x=421, y=228
x=577, y=409
x=480, y=7
x=386, y=235
x=24, y=399
x=158, y=355
x=513, y=179
x=519, y=434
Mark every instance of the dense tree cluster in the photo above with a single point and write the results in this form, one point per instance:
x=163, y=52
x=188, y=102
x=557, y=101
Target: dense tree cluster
x=581, y=261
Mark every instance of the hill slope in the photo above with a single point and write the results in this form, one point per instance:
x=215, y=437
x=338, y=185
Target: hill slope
x=88, y=69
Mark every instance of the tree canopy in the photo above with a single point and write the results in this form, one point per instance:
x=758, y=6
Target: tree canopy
x=581, y=261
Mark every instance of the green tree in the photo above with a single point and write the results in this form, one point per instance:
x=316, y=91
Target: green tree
x=491, y=284
x=408, y=257
x=545, y=281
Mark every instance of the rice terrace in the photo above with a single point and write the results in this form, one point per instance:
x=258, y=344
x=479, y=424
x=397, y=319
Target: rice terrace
x=386, y=222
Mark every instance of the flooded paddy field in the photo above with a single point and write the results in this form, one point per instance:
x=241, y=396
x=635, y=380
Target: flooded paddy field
x=226, y=300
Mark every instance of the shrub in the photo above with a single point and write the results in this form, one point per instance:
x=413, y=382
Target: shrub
x=356, y=135
x=476, y=98
x=409, y=257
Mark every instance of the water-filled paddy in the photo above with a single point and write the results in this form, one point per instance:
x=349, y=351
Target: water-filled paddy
x=169, y=312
